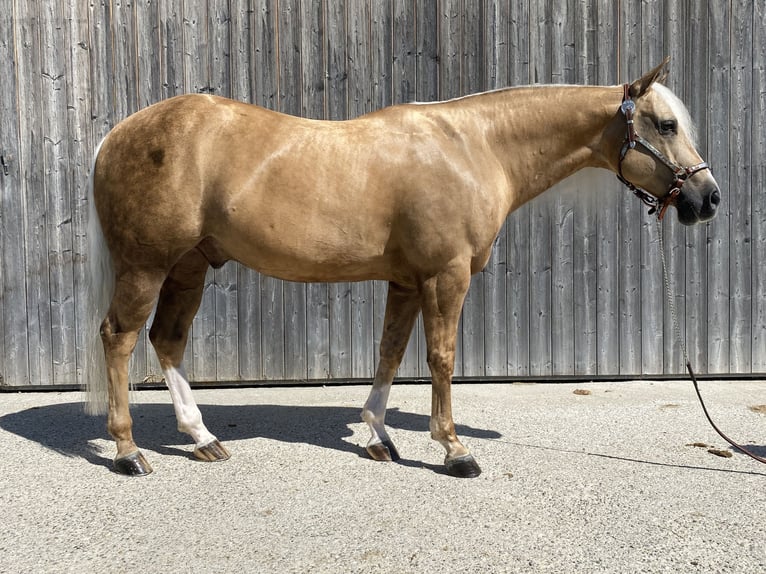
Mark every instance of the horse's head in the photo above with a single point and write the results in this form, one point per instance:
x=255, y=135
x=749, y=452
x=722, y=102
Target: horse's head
x=658, y=159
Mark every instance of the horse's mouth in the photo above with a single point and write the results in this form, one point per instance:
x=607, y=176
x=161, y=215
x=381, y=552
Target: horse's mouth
x=691, y=212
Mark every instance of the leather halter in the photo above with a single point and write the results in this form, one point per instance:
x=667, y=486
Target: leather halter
x=681, y=174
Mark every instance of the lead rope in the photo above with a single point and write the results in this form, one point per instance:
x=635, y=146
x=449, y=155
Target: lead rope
x=672, y=304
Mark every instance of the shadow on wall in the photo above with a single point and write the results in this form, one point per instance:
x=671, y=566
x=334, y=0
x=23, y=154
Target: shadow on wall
x=66, y=429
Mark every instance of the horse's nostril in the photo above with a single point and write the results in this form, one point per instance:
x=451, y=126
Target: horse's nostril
x=715, y=198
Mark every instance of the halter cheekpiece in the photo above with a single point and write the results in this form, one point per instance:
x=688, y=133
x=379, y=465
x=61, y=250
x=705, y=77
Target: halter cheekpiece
x=681, y=174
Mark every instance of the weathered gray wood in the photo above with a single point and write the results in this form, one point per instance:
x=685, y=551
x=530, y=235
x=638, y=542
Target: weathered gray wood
x=631, y=215
x=14, y=362
x=290, y=75
x=585, y=232
x=517, y=227
x=740, y=137
x=608, y=205
x=718, y=317
x=758, y=174
x=652, y=288
x=337, y=108
x=360, y=94
x=381, y=70
x=80, y=158
x=313, y=106
x=574, y=284
x=57, y=206
x=698, y=89
x=496, y=75
x=32, y=191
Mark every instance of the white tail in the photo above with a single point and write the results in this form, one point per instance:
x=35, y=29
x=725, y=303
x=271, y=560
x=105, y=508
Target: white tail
x=100, y=290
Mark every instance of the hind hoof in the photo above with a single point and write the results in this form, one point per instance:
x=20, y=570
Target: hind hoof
x=133, y=464
x=463, y=466
x=212, y=452
x=385, y=451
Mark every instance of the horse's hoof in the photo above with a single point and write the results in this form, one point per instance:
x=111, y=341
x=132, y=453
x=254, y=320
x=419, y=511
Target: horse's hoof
x=133, y=464
x=212, y=452
x=385, y=451
x=463, y=466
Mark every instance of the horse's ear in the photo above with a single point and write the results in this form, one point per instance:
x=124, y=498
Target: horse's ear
x=658, y=74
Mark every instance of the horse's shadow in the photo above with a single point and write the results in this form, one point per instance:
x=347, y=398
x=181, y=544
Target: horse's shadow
x=67, y=429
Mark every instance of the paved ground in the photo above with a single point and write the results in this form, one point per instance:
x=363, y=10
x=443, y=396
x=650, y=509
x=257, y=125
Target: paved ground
x=599, y=482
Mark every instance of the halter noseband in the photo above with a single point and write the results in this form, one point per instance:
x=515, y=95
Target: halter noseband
x=681, y=174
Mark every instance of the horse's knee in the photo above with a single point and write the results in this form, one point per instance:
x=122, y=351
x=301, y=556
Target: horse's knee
x=441, y=362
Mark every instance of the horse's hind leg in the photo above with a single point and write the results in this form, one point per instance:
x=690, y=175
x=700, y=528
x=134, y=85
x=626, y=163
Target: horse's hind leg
x=179, y=300
x=131, y=305
x=402, y=307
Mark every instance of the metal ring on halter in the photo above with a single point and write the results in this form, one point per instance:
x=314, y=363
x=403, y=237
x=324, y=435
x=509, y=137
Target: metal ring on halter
x=681, y=174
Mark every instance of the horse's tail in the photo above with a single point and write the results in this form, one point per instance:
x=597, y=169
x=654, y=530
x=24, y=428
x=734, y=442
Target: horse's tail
x=100, y=288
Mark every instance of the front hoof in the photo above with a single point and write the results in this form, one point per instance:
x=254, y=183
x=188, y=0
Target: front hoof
x=385, y=451
x=463, y=466
x=133, y=464
x=212, y=452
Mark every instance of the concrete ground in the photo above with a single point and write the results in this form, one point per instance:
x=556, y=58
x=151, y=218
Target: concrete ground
x=573, y=482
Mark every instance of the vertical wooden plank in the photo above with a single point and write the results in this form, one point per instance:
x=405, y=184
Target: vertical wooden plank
x=241, y=46
x=563, y=208
x=740, y=212
x=428, y=60
x=518, y=224
x=404, y=87
x=450, y=60
x=58, y=206
x=651, y=286
x=148, y=50
x=540, y=232
x=360, y=94
x=496, y=55
x=674, y=235
x=243, y=78
x=472, y=81
x=758, y=182
x=145, y=69
x=32, y=190
x=381, y=66
x=196, y=79
x=225, y=287
x=631, y=214
x=14, y=359
x=719, y=148
x=290, y=75
x=451, y=85
x=609, y=199
x=585, y=224
x=337, y=109
x=81, y=149
x=313, y=106
x=698, y=90
x=271, y=298
x=172, y=52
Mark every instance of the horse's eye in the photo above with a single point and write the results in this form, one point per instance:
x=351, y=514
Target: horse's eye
x=668, y=127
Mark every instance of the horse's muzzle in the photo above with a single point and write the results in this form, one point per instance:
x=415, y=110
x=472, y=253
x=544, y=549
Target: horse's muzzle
x=698, y=206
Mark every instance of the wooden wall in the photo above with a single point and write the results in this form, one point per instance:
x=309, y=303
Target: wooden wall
x=574, y=285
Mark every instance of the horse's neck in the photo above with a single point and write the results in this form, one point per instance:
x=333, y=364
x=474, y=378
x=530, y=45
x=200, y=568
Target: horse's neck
x=543, y=134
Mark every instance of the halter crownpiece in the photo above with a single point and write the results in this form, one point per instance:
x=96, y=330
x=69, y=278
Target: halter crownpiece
x=681, y=174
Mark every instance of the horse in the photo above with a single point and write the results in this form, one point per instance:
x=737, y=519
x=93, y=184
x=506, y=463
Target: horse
x=412, y=194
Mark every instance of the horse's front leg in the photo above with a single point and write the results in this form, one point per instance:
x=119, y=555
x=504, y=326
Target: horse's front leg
x=443, y=297
x=402, y=307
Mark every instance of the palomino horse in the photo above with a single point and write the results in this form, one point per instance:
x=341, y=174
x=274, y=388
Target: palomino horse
x=411, y=194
